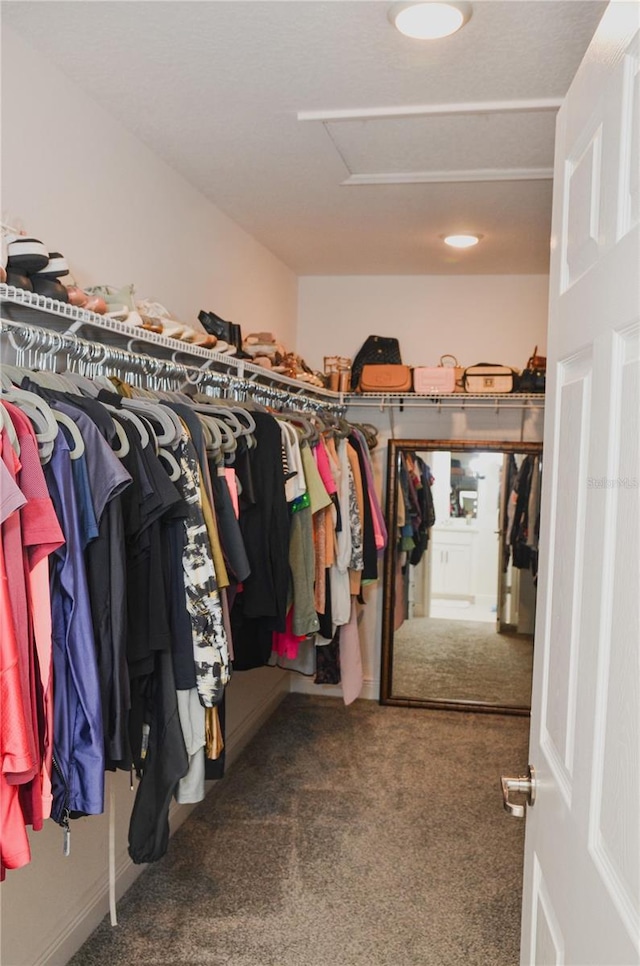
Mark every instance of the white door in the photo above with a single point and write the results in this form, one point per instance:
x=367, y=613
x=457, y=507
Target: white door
x=581, y=900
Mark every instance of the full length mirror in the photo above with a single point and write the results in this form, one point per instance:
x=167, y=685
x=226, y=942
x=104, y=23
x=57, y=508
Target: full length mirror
x=461, y=574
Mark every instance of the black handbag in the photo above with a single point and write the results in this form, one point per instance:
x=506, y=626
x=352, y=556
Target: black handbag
x=533, y=377
x=376, y=350
x=532, y=380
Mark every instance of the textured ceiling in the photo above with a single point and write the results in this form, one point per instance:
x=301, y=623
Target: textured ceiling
x=214, y=88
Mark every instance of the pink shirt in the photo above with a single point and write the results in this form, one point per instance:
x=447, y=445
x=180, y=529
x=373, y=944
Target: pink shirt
x=41, y=536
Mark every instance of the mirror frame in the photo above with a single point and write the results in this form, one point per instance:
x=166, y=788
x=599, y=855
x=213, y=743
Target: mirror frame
x=396, y=446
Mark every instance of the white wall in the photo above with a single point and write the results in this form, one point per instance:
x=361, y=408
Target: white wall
x=89, y=189
x=478, y=318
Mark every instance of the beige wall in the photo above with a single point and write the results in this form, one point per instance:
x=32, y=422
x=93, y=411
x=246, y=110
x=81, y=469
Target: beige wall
x=88, y=188
x=479, y=318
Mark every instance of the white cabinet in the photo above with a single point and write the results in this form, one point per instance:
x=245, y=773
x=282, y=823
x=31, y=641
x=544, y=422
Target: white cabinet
x=452, y=563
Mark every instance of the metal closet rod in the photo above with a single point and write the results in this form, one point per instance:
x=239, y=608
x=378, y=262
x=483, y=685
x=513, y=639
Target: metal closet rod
x=29, y=340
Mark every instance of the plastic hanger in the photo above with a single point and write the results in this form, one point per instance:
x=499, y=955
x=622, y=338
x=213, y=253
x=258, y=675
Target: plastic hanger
x=140, y=426
x=172, y=462
x=243, y=422
x=86, y=387
x=309, y=431
x=160, y=415
x=214, y=431
x=37, y=410
x=78, y=443
x=229, y=441
x=7, y=423
x=122, y=450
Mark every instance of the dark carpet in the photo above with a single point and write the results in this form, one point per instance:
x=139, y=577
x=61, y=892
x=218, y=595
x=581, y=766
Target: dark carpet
x=360, y=836
x=461, y=661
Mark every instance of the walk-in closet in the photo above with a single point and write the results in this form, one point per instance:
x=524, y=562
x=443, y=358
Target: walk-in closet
x=319, y=480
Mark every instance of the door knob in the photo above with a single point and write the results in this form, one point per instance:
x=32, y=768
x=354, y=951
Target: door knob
x=525, y=784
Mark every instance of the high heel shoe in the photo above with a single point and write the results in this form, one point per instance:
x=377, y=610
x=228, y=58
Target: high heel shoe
x=214, y=325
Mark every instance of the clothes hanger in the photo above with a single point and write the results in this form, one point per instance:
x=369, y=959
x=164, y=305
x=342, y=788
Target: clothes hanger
x=171, y=461
x=309, y=433
x=78, y=443
x=122, y=450
x=37, y=410
x=242, y=415
x=86, y=386
x=7, y=423
x=159, y=416
x=214, y=431
x=131, y=417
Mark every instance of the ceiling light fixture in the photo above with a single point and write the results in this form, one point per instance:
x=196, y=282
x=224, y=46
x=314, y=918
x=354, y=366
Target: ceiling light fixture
x=430, y=20
x=462, y=241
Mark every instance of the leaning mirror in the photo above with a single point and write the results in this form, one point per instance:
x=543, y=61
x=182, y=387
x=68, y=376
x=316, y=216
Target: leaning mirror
x=460, y=574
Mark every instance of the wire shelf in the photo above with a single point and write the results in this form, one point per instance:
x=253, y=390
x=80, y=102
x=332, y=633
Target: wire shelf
x=36, y=310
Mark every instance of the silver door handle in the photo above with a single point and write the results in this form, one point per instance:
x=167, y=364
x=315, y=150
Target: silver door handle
x=525, y=784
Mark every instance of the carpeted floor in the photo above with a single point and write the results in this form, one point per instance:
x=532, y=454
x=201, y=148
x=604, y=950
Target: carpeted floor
x=461, y=661
x=361, y=836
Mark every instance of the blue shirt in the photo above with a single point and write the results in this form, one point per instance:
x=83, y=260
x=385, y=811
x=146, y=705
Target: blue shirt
x=78, y=747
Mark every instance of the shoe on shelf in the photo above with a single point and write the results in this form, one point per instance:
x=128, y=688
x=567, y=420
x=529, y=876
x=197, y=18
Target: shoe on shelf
x=56, y=267
x=214, y=325
x=119, y=301
x=155, y=312
x=19, y=280
x=50, y=288
x=77, y=296
x=95, y=303
x=25, y=255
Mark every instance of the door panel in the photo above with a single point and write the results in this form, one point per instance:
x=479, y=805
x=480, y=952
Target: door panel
x=614, y=833
x=549, y=947
x=582, y=854
x=565, y=574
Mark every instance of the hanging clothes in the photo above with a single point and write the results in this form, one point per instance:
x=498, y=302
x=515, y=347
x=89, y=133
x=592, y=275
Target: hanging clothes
x=159, y=547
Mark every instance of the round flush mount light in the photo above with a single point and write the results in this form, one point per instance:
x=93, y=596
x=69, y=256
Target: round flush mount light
x=461, y=241
x=430, y=20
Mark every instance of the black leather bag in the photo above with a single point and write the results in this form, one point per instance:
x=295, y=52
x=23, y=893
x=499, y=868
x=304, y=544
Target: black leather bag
x=376, y=350
x=533, y=377
x=532, y=380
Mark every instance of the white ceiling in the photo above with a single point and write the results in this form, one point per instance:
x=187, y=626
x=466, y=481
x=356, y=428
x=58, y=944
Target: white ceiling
x=215, y=87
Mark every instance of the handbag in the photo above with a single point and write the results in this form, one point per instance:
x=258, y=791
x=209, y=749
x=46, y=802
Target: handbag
x=446, y=377
x=376, y=350
x=486, y=377
x=382, y=378
x=533, y=378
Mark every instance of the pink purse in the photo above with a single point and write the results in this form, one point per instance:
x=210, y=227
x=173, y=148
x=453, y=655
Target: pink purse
x=431, y=380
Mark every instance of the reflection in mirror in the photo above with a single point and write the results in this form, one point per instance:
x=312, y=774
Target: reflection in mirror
x=460, y=574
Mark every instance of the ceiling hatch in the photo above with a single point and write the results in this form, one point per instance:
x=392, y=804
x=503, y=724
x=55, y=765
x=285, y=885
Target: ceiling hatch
x=478, y=146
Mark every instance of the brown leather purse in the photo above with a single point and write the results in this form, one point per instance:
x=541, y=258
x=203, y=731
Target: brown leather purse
x=385, y=378
x=536, y=361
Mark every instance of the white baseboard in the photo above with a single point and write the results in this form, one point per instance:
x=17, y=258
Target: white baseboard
x=304, y=685
x=95, y=906
x=88, y=917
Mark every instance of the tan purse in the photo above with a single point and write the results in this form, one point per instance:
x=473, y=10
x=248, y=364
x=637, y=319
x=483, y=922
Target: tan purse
x=489, y=378
x=385, y=378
